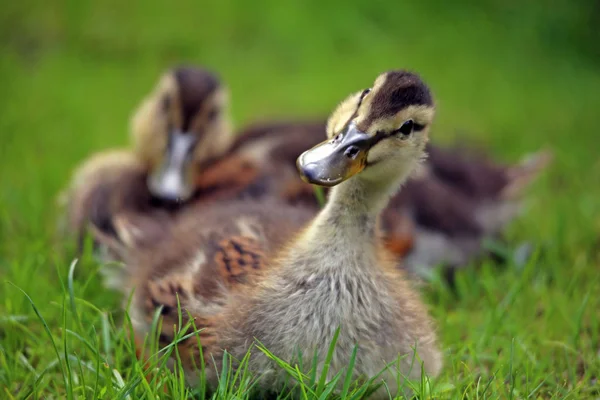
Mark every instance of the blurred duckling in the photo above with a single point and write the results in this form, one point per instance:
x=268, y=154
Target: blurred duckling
x=179, y=129
x=246, y=271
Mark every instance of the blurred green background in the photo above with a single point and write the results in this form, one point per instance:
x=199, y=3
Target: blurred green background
x=515, y=76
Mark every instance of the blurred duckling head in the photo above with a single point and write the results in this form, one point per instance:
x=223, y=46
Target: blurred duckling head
x=180, y=127
x=380, y=132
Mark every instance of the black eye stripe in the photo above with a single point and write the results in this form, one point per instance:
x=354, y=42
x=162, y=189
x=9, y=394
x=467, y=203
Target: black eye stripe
x=380, y=135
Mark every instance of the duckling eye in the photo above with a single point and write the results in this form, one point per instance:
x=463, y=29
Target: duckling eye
x=406, y=128
x=351, y=152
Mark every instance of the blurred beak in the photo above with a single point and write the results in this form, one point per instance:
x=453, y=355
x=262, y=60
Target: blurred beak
x=334, y=161
x=172, y=180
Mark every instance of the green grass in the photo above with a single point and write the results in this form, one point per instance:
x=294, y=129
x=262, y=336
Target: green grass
x=514, y=77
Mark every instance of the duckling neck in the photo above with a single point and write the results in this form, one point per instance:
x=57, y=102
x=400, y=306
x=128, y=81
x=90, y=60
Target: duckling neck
x=358, y=199
x=345, y=231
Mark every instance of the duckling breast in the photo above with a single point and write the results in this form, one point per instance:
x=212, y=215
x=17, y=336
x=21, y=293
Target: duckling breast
x=300, y=315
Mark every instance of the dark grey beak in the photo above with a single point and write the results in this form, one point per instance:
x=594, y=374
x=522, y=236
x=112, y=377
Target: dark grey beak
x=173, y=179
x=333, y=161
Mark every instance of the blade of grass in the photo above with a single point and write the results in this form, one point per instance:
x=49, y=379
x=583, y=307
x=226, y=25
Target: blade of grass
x=106, y=337
x=84, y=341
x=348, y=379
x=284, y=365
x=510, y=369
x=72, y=293
x=223, y=378
x=81, y=374
x=302, y=385
x=313, y=370
x=331, y=385
x=120, y=382
x=327, y=364
x=65, y=349
x=142, y=378
x=201, y=390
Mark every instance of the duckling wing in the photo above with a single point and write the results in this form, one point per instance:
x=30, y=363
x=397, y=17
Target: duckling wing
x=469, y=171
x=238, y=257
x=475, y=174
x=198, y=292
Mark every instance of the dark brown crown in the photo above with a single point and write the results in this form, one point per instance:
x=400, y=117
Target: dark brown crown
x=399, y=90
x=195, y=85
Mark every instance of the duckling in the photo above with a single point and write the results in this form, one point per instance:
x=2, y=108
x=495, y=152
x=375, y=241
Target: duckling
x=247, y=272
x=179, y=129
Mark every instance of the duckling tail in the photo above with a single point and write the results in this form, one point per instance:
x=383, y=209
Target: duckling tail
x=520, y=176
x=493, y=216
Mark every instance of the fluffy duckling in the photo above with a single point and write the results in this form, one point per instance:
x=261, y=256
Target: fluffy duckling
x=246, y=272
x=179, y=129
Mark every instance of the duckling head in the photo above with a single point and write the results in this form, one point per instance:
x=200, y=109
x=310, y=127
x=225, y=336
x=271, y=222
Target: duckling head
x=180, y=127
x=380, y=132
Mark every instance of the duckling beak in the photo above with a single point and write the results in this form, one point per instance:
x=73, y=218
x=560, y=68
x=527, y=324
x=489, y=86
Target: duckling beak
x=335, y=160
x=172, y=179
